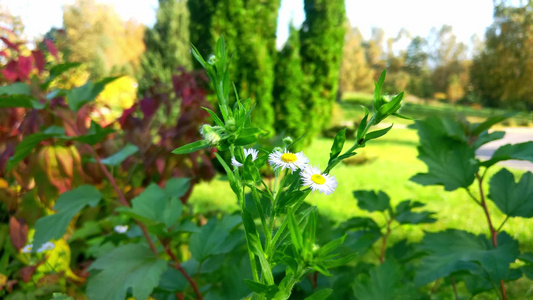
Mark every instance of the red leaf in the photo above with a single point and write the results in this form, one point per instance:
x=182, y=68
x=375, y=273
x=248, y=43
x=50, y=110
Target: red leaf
x=51, y=47
x=3, y=53
x=38, y=58
x=18, y=231
x=25, y=65
x=10, y=72
x=27, y=272
x=148, y=107
x=10, y=44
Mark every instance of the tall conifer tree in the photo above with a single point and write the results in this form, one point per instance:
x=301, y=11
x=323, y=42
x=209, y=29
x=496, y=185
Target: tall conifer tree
x=288, y=88
x=322, y=39
x=167, y=44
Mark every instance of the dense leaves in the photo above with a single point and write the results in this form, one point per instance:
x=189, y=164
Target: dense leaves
x=453, y=250
x=54, y=226
x=132, y=266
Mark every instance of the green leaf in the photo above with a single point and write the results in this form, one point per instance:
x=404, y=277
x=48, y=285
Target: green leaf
x=155, y=206
x=262, y=289
x=383, y=282
x=454, y=250
x=513, y=199
x=53, y=227
x=362, y=126
x=445, y=151
x=330, y=247
x=378, y=133
x=377, y=91
x=320, y=295
x=117, y=158
x=28, y=144
x=132, y=266
x=17, y=88
x=192, y=147
x=211, y=237
x=338, y=143
x=59, y=296
x=405, y=215
x=372, y=201
x=296, y=233
x=56, y=71
x=94, y=135
x=177, y=187
x=478, y=128
x=486, y=137
x=77, y=97
x=520, y=151
x=214, y=116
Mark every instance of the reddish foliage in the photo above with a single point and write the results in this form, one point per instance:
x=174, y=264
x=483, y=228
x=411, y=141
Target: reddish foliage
x=18, y=231
x=51, y=47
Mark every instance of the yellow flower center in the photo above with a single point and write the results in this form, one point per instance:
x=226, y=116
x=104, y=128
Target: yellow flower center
x=318, y=179
x=288, y=157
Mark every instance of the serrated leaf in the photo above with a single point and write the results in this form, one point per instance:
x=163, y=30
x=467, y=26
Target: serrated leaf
x=53, y=227
x=405, y=215
x=372, y=201
x=383, y=282
x=513, y=199
x=132, y=266
x=486, y=137
x=455, y=250
x=478, y=128
x=117, y=158
x=154, y=206
x=211, y=236
x=520, y=151
x=192, y=147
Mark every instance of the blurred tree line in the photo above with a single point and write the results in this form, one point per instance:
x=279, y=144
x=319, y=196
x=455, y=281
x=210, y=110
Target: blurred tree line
x=496, y=72
x=294, y=88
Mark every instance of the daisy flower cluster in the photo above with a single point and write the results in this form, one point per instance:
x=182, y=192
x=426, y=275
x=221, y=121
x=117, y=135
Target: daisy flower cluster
x=311, y=176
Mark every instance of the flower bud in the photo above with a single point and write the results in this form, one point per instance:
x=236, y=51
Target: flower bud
x=230, y=124
x=212, y=59
x=212, y=137
x=287, y=141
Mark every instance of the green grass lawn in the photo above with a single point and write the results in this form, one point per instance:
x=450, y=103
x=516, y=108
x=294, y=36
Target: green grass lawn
x=352, y=101
x=392, y=162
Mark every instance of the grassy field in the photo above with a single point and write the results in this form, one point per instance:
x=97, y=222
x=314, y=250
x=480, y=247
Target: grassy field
x=351, y=102
x=392, y=161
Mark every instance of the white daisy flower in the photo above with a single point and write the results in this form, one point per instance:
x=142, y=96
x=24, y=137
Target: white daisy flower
x=121, y=228
x=323, y=183
x=46, y=246
x=288, y=160
x=27, y=248
x=247, y=152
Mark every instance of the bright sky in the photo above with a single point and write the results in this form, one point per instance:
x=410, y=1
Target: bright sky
x=467, y=17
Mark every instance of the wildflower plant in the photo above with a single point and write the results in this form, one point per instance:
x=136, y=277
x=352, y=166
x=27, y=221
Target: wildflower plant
x=285, y=234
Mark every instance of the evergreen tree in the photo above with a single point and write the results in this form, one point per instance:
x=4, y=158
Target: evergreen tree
x=322, y=38
x=249, y=28
x=288, y=88
x=167, y=44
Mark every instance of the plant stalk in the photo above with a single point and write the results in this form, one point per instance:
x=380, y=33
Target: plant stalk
x=493, y=232
x=384, y=243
